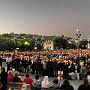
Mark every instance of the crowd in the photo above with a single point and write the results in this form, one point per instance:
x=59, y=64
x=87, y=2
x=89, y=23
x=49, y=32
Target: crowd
x=71, y=64
x=37, y=84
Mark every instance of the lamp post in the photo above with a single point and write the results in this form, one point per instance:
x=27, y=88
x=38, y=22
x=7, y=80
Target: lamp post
x=78, y=34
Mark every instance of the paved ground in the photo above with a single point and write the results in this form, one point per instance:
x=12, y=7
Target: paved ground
x=74, y=83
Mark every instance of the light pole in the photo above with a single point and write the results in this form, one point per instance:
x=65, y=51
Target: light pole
x=78, y=34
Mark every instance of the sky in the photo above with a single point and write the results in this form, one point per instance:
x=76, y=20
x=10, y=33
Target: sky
x=45, y=17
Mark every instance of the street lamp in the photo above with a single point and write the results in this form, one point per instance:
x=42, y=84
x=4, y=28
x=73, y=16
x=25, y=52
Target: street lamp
x=35, y=48
x=78, y=34
x=26, y=44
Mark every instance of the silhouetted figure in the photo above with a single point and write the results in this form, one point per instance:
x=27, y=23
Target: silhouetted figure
x=4, y=76
x=37, y=81
x=1, y=62
x=66, y=85
x=36, y=84
x=16, y=78
x=84, y=86
x=55, y=85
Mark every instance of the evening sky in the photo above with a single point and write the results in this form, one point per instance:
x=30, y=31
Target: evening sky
x=45, y=17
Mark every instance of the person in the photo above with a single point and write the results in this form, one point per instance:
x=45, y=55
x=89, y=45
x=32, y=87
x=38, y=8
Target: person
x=55, y=84
x=49, y=68
x=4, y=76
x=1, y=61
x=85, y=85
x=66, y=85
x=16, y=78
x=10, y=77
x=45, y=83
x=36, y=84
x=28, y=80
x=37, y=81
x=65, y=71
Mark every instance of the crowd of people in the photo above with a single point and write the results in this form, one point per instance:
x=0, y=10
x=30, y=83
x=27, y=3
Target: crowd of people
x=37, y=84
x=71, y=64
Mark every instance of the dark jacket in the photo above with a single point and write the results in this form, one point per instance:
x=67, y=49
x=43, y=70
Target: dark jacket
x=16, y=79
x=66, y=87
x=4, y=76
x=84, y=87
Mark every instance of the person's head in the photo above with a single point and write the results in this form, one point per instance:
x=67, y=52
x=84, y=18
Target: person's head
x=3, y=69
x=45, y=78
x=10, y=72
x=85, y=81
x=66, y=82
x=36, y=77
x=55, y=81
x=27, y=75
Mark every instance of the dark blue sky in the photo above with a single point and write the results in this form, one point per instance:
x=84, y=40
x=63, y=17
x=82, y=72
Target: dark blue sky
x=46, y=17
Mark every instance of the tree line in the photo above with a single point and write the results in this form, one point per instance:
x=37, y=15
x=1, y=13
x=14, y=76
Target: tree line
x=60, y=42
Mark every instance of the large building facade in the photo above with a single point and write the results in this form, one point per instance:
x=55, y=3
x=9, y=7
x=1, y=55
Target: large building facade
x=48, y=45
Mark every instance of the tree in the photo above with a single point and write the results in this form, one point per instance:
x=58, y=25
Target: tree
x=6, y=35
x=7, y=44
x=83, y=44
x=60, y=42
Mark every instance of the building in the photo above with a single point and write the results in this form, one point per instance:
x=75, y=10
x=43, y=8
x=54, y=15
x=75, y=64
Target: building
x=48, y=45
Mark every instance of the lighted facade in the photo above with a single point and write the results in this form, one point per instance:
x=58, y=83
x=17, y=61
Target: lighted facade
x=48, y=45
